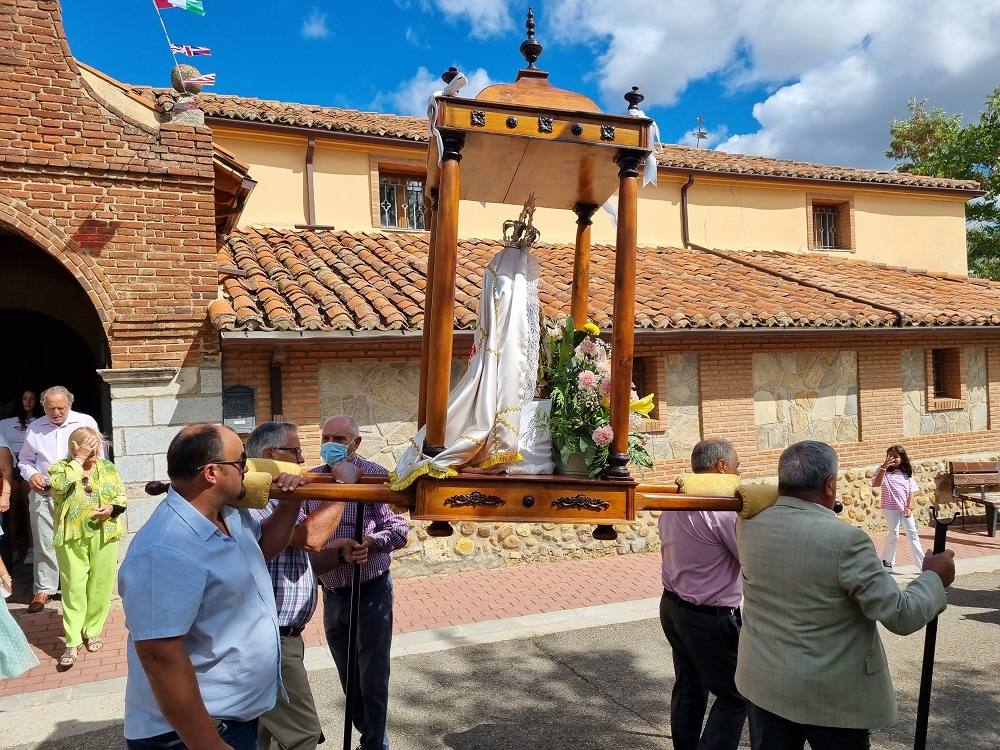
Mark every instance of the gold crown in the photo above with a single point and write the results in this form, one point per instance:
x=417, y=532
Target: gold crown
x=520, y=232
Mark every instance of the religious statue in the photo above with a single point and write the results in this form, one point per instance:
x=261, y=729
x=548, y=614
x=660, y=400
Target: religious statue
x=493, y=400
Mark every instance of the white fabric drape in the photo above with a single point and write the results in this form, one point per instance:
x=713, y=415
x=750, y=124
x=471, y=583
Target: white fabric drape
x=485, y=408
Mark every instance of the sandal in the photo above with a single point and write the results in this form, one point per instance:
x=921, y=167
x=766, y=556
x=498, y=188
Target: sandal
x=6, y=587
x=94, y=644
x=68, y=659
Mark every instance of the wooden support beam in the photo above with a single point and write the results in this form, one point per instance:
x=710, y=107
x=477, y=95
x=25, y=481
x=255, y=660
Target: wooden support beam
x=622, y=343
x=428, y=298
x=442, y=322
x=581, y=264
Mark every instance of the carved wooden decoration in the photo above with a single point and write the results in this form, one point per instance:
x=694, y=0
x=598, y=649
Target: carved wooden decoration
x=474, y=500
x=580, y=502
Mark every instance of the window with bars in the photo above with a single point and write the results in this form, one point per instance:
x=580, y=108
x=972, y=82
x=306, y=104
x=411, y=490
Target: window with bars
x=401, y=201
x=826, y=227
x=946, y=371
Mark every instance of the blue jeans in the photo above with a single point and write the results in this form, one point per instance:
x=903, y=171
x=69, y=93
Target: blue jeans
x=374, y=640
x=239, y=735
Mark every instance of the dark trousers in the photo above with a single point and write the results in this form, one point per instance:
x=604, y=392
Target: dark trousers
x=704, y=642
x=374, y=640
x=239, y=735
x=771, y=732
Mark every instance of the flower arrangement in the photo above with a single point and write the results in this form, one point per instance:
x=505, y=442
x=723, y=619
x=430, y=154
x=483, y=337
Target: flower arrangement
x=577, y=369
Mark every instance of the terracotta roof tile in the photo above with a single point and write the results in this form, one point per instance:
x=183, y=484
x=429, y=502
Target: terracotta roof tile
x=335, y=119
x=324, y=280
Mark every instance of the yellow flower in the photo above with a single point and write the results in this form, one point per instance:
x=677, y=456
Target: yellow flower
x=643, y=406
x=606, y=402
x=592, y=328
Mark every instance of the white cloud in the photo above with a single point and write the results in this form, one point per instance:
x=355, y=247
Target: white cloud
x=410, y=97
x=836, y=71
x=412, y=36
x=314, y=25
x=486, y=17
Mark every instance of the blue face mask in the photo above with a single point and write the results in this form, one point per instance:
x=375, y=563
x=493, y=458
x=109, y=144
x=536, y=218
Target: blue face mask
x=332, y=453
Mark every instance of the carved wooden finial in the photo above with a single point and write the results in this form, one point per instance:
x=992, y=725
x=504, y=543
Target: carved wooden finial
x=633, y=98
x=531, y=48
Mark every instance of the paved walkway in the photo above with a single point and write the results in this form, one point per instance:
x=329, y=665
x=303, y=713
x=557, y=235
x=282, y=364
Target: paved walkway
x=430, y=602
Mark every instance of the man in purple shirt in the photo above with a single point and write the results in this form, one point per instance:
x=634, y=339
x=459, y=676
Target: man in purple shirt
x=384, y=532
x=700, y=613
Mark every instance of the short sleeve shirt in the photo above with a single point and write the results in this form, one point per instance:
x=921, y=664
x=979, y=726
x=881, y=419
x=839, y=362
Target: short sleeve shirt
x=896, y=489
x=182, y=577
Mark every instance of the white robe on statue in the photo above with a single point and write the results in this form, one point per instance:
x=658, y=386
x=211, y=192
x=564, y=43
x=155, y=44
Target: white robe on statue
x=486, y=407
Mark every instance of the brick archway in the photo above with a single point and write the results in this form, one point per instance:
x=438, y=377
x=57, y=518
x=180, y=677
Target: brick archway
x=24, y=221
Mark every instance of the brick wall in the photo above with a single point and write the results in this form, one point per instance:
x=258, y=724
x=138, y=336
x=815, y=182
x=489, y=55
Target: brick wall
x=128, y=211
x=727, y=409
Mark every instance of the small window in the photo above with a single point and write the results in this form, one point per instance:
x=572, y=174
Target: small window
x=829, y=224
x=946, y=369
x=644, y=377
x=401, y=201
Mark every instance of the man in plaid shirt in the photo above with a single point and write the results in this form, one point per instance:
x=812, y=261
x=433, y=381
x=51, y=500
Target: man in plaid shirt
x=384, y=532
x=293, y=723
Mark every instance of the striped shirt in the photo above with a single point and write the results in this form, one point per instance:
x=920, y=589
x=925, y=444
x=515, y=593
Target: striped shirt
x=292, y=578
x=896, y=489
x=387, y=530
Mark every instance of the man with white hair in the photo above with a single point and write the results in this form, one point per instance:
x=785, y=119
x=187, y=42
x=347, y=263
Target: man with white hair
x=811, y=663
x=47, y=441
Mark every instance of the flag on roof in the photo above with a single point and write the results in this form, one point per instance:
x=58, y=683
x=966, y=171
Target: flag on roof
x=206, y=80
x=187, y=49
x=195, y=6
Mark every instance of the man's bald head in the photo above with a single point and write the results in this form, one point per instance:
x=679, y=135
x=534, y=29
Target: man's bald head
x=194, y=446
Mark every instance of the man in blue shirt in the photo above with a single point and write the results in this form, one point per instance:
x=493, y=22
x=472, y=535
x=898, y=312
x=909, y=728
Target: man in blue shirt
x=203, y=646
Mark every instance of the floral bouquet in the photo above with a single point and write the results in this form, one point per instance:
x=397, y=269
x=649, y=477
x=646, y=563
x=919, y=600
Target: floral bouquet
x=577, y=369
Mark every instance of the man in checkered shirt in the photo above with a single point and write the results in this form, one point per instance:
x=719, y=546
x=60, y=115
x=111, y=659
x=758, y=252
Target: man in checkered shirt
x=293, y=723
x=384, y=532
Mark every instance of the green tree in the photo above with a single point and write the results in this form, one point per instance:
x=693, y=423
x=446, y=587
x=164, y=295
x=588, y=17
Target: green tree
x=933, y=142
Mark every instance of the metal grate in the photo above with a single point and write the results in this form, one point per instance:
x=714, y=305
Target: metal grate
x=401, y=202
x=825, y=226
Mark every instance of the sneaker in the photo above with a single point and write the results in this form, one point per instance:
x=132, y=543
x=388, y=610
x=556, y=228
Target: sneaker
x=886, y=565
x=29, y=556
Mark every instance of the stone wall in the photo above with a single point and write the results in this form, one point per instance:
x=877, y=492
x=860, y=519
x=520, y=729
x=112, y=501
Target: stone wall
x=678, y=420
x=148, y=407
x=810, y=395
x=972, y=415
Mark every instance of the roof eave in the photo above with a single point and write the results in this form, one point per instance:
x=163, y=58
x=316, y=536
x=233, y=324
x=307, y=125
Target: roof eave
x=386, y=140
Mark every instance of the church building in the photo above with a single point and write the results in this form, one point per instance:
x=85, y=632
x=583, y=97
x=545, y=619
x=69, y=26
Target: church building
x=174, y=259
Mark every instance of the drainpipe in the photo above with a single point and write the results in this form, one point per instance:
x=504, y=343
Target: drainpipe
x=277, y=407
x=901, y=319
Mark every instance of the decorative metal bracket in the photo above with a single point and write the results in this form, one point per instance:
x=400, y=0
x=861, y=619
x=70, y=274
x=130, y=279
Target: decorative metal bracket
x=544, y=124
x=607, y=132
x=512, y=122
x=474, y=500
x=580, y=502
x=477, y=118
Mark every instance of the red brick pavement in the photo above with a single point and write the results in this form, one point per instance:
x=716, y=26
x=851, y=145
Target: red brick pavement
x=427, y=602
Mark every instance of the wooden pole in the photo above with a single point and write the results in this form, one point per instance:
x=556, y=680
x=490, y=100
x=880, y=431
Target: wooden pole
x=581, y=264
x=442, y=322
x=428, y=297
x=624, y=312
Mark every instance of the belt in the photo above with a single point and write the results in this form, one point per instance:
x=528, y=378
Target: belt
x=347, y=589
x=289, y=631
x=700, y=607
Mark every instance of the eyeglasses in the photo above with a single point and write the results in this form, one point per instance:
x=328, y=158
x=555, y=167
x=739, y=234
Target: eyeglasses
x=296, y=451
x=241, y=464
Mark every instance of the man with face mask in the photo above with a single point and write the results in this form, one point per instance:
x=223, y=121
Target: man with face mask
x=384, y=532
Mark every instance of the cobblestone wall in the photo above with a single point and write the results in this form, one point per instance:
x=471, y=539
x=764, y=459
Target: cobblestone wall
x=679, y=408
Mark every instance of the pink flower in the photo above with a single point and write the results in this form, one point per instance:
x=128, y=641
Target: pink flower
x=605, y=388
x=587, y=347
x=604, y=366
x=603, y=436
x=587, y=380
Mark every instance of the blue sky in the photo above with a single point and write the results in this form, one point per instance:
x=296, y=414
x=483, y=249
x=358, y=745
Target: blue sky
x=783, y=78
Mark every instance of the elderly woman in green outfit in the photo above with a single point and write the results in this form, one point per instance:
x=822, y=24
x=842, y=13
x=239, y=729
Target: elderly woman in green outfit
x=89, y=498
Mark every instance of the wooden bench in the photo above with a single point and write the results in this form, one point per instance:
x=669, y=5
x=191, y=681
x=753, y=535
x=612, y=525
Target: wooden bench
x=969, y=482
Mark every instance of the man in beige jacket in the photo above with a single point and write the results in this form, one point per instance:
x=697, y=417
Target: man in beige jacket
x=811, y=663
